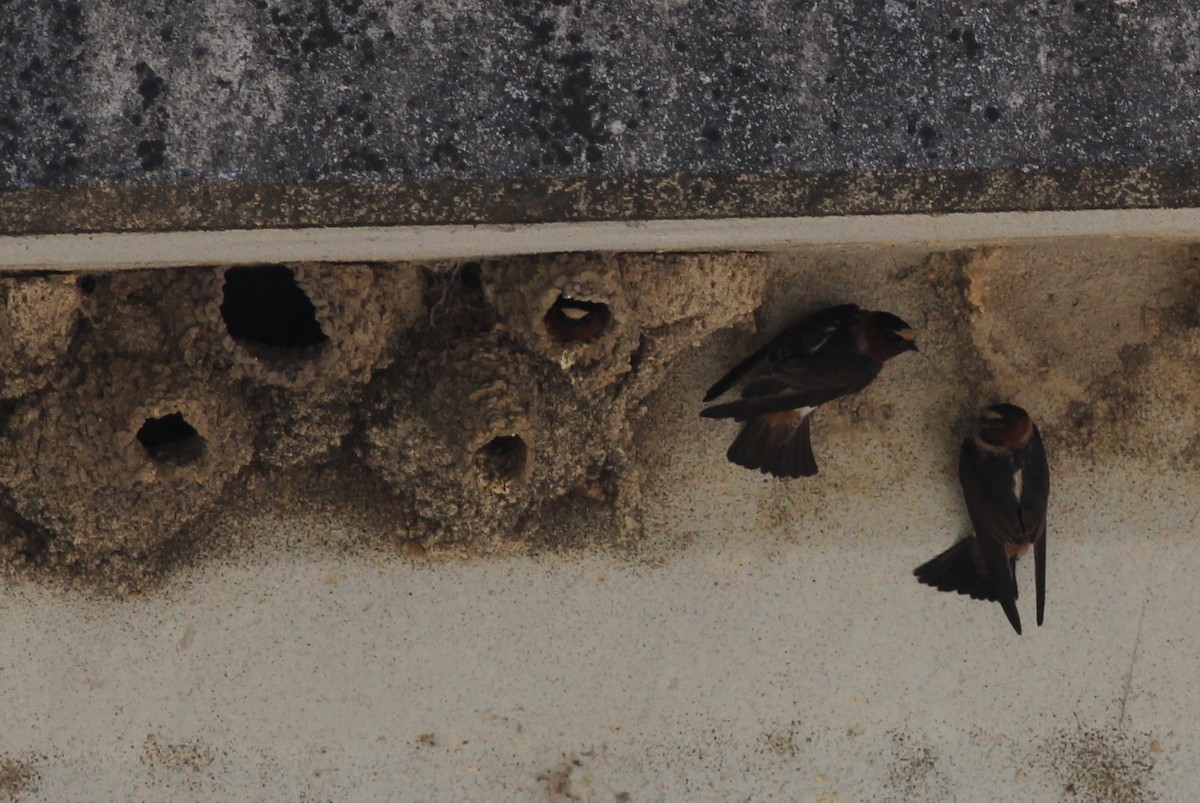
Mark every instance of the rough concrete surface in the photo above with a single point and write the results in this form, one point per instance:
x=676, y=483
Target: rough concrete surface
x=249, y=206
x=278, y=91
x=140, y=115
x=724, y=636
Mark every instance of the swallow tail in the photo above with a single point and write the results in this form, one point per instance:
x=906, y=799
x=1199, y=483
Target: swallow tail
x=1009, y=603
x=959, y=569
x=1000, y=570
x=779, y=444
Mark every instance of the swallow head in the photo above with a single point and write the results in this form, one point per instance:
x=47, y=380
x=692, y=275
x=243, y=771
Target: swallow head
x=885, y=335
x=1004, y=426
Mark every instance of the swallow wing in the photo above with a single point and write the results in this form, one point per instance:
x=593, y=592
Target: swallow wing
x=798, y=382
x=806, y=336
x=811, y=337
x=1034, y=501
x=988, y=482
x=1006, y=492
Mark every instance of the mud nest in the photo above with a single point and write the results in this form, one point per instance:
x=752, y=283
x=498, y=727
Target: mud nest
x=476, y=395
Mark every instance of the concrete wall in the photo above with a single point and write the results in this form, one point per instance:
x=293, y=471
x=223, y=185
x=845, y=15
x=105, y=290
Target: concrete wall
x=143, y=115
x=281, y=92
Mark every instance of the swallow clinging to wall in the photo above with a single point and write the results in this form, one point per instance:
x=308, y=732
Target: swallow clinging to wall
x=829, y=354
x=1006, y=482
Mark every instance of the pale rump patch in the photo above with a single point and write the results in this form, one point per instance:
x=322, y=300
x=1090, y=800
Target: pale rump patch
x=1018, y=484
x=790, y=416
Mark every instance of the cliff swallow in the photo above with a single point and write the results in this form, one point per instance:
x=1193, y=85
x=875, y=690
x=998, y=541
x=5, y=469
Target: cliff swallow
x=832, y=353
x=1006, y=482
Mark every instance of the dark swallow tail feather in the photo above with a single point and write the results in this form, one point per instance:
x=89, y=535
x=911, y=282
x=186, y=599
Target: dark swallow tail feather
x=959, y=569
x=779, y=444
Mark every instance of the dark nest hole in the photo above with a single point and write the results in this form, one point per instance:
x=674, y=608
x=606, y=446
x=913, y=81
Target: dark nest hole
x=502, y=459
x=171, y=440
x=265, y=306
x=573, y=321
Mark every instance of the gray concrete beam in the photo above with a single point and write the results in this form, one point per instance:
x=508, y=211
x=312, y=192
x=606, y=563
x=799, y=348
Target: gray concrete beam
x=135, y=116
x=133, y=250
x=239, y=205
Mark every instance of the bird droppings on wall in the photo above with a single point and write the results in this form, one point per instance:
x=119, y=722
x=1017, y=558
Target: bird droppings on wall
x=913, y=772
x=1107, y=765
x=19, y=778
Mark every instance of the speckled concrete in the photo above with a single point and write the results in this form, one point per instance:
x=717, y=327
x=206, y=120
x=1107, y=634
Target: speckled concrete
x=786, y=666
x=281, y=91
x=189, y=206
x=227, y=114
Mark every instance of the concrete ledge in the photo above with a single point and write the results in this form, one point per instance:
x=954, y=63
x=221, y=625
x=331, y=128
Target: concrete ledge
x=99, y=252
x=246, y=205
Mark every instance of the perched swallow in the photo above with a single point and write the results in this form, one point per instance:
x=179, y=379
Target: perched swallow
x=1006, y=481
x=832, y=353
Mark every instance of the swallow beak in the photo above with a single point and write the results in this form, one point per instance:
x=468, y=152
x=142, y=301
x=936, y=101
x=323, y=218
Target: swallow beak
x=910, y=339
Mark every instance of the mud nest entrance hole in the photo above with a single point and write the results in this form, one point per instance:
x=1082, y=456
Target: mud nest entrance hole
x=172, y=440
x=265, y=306
x=573, y=321
x=502, y=459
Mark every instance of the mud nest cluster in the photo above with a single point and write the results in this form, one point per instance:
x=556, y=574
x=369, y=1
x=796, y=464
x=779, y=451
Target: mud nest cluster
x=133, y=403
